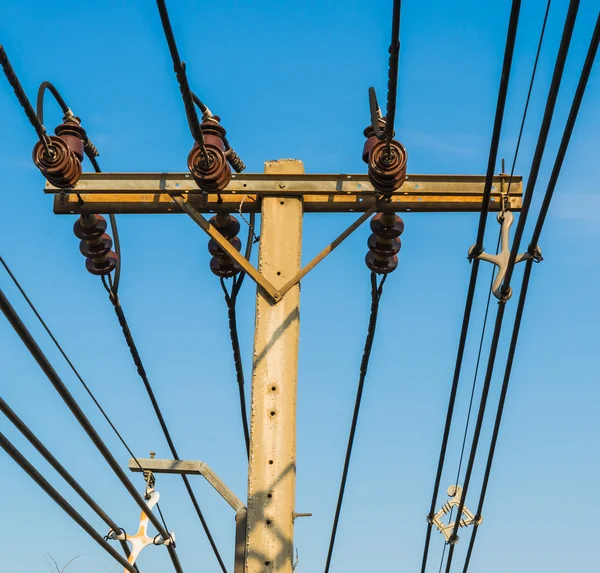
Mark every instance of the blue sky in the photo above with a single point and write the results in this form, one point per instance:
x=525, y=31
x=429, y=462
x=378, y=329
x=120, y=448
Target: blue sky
x=290, y=79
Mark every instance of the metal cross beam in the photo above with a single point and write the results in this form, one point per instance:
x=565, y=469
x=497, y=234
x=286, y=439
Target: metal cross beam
x=337, y=193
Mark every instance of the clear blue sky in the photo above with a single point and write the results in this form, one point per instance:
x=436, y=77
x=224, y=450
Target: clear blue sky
x=290, y=79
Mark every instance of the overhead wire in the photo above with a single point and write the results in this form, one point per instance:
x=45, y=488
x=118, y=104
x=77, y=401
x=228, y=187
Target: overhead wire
x=230, y=301
x=533, y=246
x=496, y=132
x=184, y=86
x=35, y=121
x=20, y=459
x=60, y=469
x=56, y=381
x=489, y=296
x=534, y=171
x=376, y=292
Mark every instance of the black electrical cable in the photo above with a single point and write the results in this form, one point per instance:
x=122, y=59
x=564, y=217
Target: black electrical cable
x=60, y=469
x=564, y=144
x=40, y=100
x=542, y=139
x=489, y=297
x=35, y=121
x=581, y=86
x=72, y=404
x=18, y=457
x=537, y=158
x=502, y=92
x=394, y=51
x=376, y=291
x=184, y=86
x=114, y=299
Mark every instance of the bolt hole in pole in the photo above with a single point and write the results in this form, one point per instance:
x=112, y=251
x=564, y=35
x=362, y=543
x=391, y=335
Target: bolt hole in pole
x=273, y=388
x=272, y=413
x=281, y=202
x=270, y=462
x=269, y=495
x=278, y=274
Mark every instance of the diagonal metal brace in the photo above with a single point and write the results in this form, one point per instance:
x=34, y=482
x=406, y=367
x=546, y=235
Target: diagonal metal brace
x=506, y=220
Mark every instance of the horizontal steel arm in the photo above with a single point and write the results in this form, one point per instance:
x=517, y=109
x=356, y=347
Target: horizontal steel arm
x=152, y=193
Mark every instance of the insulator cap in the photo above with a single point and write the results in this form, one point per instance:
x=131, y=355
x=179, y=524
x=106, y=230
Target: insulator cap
x=381, y=267
x=102, y=268
x=384, y=249
x=224, y=269
x=89, y=233
x=216, y=251
x=386, y=231
x=73, y=135
x=62, y=168
x=387, y=171
x=230, y=230
x=96, y=250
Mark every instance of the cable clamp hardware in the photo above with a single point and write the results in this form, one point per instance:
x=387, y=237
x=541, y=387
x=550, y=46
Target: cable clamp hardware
x=455, y=493
x=506, y=220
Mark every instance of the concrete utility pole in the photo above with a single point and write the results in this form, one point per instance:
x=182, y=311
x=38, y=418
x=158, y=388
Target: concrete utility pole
x=282, y=194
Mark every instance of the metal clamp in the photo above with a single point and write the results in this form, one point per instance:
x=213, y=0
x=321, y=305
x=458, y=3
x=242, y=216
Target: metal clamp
x=141, y=540
x=455, y=494
x=506, y=219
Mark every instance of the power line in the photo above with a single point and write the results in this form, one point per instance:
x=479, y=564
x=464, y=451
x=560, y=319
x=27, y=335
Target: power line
x=60, y=469
x=575, y=106
x=72, y=404
x=13, y=80
x=501, y=102
x=114, y=299
x=376, y=292
x=537, y=158
x=489, y=297
x=10, y=449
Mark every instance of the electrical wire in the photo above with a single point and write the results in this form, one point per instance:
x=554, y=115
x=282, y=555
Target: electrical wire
x=114, y=299
x=537, y=158
x=230, y=300
x=60, y=469
x=487, y=307
x=575, y=106
x=497, y=129
x=376, y=292
x=35, y=121
x=394, y=50
x=18, y=457
x=184, y=86
x=72, y=404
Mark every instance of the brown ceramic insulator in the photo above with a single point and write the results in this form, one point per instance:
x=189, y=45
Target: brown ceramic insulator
x=231, y=227
x=224, y=269
x=61, y=168
x=90, y=227
x=384, y=248
x=213, y=175
x=387, y=171
x=96, y=249
x=386, y=231
x=379, y=266
x=73, y=135
x=216, y=251
x=104, y=267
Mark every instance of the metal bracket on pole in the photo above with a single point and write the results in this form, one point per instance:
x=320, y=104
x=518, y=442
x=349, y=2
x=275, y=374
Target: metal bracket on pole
x=506, y=220
x=455, y=494
x=200, y=468
x=248, y=267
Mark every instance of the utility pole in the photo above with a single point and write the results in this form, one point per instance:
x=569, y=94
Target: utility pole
x=282, y=195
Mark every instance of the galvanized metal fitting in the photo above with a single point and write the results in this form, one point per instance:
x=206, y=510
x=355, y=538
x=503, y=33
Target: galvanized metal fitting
x=96, y=244
x=221, y=263
x=506, y=220
x=467, y=518
x=384, y=244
